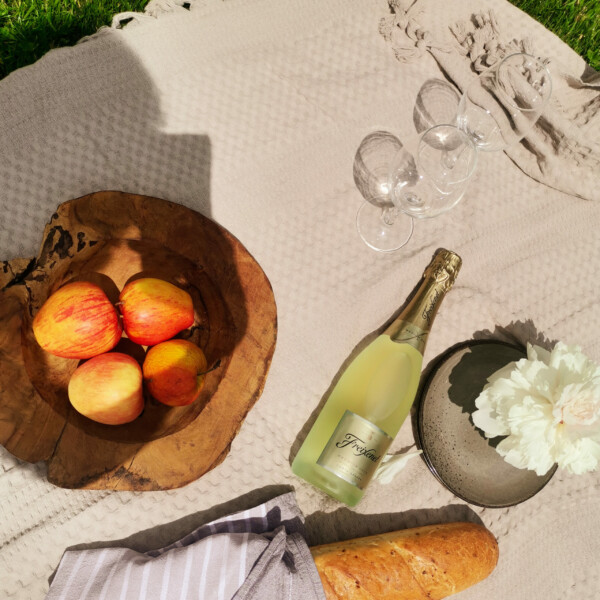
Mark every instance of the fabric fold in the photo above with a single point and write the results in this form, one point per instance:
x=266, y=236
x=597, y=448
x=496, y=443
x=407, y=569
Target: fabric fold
x=256, y=554
x=563, y=149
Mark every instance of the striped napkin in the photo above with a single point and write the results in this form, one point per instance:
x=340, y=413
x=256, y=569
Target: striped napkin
x=255, y=554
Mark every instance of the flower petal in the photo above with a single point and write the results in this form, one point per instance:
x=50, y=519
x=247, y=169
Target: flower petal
x=548, y=407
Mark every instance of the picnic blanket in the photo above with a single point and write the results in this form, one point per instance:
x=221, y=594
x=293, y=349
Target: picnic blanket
x=250, y=112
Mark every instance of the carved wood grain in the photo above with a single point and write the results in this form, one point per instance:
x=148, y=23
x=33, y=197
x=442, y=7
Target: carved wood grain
x=111, y=238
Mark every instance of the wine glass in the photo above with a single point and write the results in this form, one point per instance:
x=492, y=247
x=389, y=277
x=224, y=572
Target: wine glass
x=430, y=174
x=380, y=224
x=500, y=106
x=436, y=104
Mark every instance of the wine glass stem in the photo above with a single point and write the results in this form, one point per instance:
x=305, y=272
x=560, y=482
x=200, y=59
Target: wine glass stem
x=389, y=214
x=450, y=159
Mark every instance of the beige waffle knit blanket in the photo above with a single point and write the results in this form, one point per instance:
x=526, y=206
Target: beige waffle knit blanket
x=250, y=111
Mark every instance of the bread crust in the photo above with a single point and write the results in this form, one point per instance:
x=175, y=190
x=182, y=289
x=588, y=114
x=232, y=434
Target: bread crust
x=423, y=563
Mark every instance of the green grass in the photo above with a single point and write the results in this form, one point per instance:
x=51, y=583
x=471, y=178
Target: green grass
x=575, y=22
x=29, y=28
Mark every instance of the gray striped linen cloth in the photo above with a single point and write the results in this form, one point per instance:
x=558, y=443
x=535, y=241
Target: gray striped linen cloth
x=256, y=554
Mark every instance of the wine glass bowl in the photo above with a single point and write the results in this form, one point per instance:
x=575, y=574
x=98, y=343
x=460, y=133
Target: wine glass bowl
x=430, y=175
x=501, y=105
x=436, y=103
x=372, y=165
x=379, y=223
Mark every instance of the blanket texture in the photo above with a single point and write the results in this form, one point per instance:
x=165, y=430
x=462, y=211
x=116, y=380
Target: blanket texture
x=251, y=111
x=563, y=150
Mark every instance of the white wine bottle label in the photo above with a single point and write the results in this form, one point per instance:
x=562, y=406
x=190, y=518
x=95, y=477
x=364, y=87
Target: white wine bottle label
x=355, y=449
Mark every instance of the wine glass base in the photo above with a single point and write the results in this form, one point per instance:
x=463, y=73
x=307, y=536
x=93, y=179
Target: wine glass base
x=379, y=234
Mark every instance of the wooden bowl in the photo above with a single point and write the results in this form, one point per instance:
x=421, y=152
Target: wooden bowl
x=111, y=238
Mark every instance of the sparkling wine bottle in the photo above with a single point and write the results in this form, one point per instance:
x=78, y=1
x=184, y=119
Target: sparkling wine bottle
x=374, y=395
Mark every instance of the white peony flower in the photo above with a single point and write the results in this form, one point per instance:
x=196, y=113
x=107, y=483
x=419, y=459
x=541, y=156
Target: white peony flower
x=548, y=407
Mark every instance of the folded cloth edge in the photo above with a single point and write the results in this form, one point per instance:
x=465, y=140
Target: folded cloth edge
x=253, y=553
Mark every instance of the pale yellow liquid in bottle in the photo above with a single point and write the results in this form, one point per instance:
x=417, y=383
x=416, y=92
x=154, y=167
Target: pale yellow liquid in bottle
x=379, y=385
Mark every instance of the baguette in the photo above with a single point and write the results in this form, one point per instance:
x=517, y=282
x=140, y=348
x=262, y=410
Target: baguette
x=424, y=563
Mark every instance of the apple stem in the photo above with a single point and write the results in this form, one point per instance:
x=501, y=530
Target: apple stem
x=215, y=366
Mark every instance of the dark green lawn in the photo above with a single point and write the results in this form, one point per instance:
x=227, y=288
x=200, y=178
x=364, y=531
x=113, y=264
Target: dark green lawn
x=575, y=22
x=29, y=28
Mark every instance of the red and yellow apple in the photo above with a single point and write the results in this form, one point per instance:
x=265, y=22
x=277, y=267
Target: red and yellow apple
x=154, y=310
x=108, y=389
x=174, y=372
x=77, y=321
